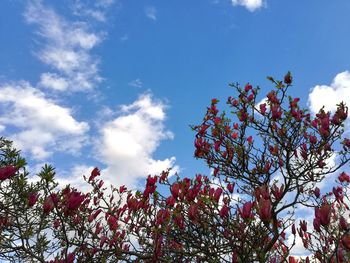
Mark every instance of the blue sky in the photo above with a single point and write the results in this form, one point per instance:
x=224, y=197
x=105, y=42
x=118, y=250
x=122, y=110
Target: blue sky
x=116, y=84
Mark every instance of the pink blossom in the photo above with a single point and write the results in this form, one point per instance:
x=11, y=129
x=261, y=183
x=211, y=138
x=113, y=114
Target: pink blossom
x=245, y=212
x=343, y=224
x=262, y=108
x=175, y=189
x=73, y=200
x=193, y=211
x=7, y=172
x=247, y=87
x=224, y=211
x=292, y=259
x=343, y=177
x=113, y=223
x=313, y=139
x=48, y=205
x=250, y=139
x=230, y=187
x=317, y=192
x=94, y=173
x=323, y=214
x=217, y=194
x=32, y=198
x=264, y=209
x=303, y=225
x=234, y=135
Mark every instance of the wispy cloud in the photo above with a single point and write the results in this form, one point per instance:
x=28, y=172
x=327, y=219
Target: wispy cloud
x=53, y=81
x=126, y=139
x=66, y=50
x=127, y=143
x=105, y=3
x=137, y=83
x=40, y=125
x=124, y=38
x=251, y=5
x=151, y=12
x=97, y=10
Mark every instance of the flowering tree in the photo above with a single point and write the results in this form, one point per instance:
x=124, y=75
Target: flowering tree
x=267, y=159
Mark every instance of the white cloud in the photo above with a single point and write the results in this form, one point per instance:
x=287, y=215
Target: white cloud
x=329, y=96
x=151, y=12
x=251, y=5
x=66, y=48
x=128, y=142
x=137, y=83
x=41, y=125
x=53, y=81
x=96, y=11
x=105, y=3
x=75, y=178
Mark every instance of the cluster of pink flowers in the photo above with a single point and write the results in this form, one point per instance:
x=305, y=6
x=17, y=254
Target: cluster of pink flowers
x=242, y=212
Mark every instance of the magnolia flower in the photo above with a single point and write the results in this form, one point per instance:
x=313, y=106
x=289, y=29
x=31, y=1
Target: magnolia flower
x=343, y=177
x=224, y=211
x=217, y=194
x=248, y=87
x=7, y=172
x=193, y=211
x=323, y=214
x=113, y=223
x=48, y=205
x=317, y=192
x=230, y=187
x=32, y=198
x=174, y=189
x=245, y=212
x=73, y=200
x=262, y=108
x=313, y=139
x=250, y=139
x=292, y=259
x=94, y=173
x=264, y=209
x=343, y=224
x=288, y=78
x=303, y=225
x=346, y=241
